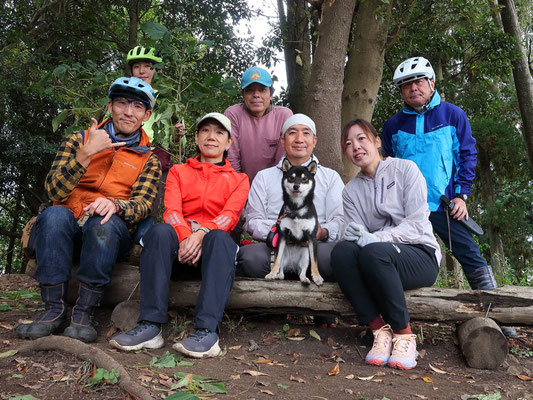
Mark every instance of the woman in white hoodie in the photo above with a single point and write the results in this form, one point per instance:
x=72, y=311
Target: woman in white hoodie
x=389, y=244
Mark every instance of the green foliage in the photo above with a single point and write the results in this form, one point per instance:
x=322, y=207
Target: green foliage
x=198, y=384
x=103, y=377
x=169, y=360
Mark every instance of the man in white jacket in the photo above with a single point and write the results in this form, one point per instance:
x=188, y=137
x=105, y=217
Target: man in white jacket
x=266, y=199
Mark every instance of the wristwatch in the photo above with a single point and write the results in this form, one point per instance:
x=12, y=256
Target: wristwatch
x=462, y=196
x=203, y=228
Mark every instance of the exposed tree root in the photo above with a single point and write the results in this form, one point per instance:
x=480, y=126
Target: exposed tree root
x=87, y=352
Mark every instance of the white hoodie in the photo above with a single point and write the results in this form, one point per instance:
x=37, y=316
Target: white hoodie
x=392, y=205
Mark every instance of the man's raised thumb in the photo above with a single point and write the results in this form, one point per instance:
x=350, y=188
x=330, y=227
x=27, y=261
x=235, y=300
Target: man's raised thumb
x=94, y=125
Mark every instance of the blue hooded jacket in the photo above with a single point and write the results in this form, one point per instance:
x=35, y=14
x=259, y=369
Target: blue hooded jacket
x=439, y=140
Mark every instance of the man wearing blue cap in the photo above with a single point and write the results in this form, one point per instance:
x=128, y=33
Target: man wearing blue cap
x=256, y=125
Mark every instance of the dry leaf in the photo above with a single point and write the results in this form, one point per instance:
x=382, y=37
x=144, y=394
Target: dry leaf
x=427, y=379
x=145, y=378
x=293, y=332
x=420, y=396
x=524, y=377
x=263, y=361
x=422, y=353
x=381, y=373
x=240, y=358
x=335, y=370
x=438, y=370
x=366, y=378
x=267, y=392
x=6, y=326
x=253, y=373
x=413, y=377
x=263, y=383
x=377, y=380
x=297, y=379
x=351, y=376
x=296, y=338
x=166, y=382
x=236, y=347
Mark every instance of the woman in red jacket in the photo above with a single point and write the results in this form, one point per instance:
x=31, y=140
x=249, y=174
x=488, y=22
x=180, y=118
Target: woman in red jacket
x=204, y=199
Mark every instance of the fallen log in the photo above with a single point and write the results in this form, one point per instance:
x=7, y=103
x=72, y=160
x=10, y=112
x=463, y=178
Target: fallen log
x=508, y=304
x=482, y=343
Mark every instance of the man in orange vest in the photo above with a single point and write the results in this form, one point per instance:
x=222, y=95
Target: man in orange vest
x=102, y=182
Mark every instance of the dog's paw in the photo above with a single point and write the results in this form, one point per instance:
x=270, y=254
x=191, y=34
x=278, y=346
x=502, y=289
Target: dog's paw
x=271, y=276
x=305, y=281
x=318, y=280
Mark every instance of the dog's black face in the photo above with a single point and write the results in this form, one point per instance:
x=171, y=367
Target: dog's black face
x=298, y=182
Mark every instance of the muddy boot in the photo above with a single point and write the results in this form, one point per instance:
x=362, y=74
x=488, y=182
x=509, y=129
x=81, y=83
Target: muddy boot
x=482, y=278
x=53, y=318
x=81, y=326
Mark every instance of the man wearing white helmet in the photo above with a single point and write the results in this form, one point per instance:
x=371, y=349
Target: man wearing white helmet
x=437, y=136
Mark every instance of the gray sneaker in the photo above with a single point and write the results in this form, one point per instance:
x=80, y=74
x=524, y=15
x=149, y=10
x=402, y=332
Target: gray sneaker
x=144, y=335
x=201, y=344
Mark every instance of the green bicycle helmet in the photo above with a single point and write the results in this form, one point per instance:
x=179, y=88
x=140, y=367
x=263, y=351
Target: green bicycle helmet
x=142, y=53
x=134, y=88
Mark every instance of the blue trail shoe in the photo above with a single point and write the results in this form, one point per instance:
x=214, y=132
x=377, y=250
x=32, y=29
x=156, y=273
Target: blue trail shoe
x=201, y=344
x=145, y=335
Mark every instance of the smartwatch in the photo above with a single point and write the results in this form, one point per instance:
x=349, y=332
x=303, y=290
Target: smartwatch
x=462, y=196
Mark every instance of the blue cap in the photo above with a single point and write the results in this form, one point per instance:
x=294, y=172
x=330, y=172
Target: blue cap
x=256, y=74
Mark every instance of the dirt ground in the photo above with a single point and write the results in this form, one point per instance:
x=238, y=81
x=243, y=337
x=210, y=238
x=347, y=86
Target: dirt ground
x=261, y=359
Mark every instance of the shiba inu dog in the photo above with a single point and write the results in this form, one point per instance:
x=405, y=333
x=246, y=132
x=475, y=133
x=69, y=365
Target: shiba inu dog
x=298, y=225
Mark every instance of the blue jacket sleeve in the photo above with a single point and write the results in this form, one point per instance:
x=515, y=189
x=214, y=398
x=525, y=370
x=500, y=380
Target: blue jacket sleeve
x=386, y=139
x=465, y=154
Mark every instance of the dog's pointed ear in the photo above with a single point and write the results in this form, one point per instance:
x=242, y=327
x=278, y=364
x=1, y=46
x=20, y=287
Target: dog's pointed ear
x=312, y=167
x=286, y=165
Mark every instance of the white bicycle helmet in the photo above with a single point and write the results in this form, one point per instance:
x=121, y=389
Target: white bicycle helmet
x=412, y=69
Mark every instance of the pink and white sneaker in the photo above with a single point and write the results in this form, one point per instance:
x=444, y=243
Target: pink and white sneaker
x=403, y=352
x=381, y=349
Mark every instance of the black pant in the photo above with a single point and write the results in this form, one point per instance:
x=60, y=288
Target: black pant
x=217, y=273
x=374, y=277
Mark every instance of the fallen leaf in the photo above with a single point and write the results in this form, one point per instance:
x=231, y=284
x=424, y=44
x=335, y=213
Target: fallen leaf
x=236, y=347
x=332, y=343
x=524, y=377
x=240, y=358
x=296, y=379
x=111, y=332
x=293, y=332
x=427, y=379
x=296, y=338
x=8, y=353
x=265, y=391
x=281, y=386
x=6, y=326
x=262, y=383
x=420, y=396
x=377, y=380
x=381, y=373
x=315, y=335
x=351, y=376
x=145, y=378
x=253, y=372
x=366, y=378
x=422, y=353
x=438, y=370
x=235, y=377
x=335, y=370
x=263, y=361
x=413, y=377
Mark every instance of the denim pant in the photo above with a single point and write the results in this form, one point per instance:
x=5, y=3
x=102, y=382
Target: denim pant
x=159, y=261
x=59, y=241
x=464, y=248
x=374, y=277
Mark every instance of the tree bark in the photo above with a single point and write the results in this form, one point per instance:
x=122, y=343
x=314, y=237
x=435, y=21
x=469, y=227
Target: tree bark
x=324, y=98
x=521, y=74
x=297, y=51
x=364, y=69
x=133, y=13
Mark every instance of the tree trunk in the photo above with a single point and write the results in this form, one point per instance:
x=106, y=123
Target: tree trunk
x=522, y=77
x=11, y=247
x=487, y=192
x=324, y=98
x=133, y=13
x=297, y=51
x=364, y=69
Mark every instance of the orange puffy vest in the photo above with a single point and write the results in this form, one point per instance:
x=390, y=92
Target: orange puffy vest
x=111, y=173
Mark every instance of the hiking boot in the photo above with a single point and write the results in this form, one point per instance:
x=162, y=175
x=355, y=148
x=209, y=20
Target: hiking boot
x=145, y=335
x=403, y=352
x=53, y=318
x=482, y=278
x=201, y=344
x=81, y=323
x=381, y=349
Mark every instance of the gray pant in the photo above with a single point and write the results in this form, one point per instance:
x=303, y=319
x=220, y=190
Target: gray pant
x=253, y=261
